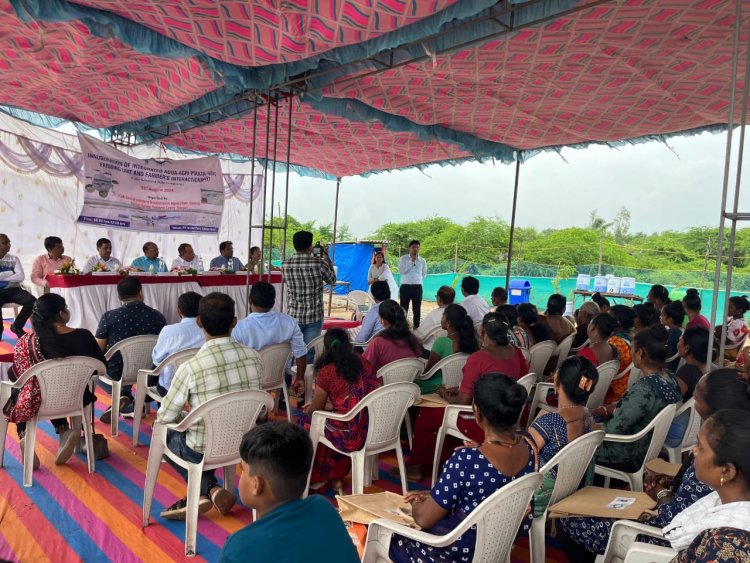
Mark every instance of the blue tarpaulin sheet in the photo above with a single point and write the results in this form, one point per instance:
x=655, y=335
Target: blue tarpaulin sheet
x=353, y=262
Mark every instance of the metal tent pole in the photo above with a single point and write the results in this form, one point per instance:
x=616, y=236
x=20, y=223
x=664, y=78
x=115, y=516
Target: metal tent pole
x=273, y=185
x=512, y=221
x=333, y=255
x=252, y=199
x=265, y=182
x=286, y=193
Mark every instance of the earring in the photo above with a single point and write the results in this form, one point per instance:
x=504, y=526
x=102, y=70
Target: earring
x=721, y=481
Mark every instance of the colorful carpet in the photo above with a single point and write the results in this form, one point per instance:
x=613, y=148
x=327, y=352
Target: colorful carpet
x=71, y=515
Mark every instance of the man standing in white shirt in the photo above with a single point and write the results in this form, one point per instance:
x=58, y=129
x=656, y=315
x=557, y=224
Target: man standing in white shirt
x=187, y=258
x=11, y=276
x=413, y=270
x=177, y=337
x=445, y=296
x=473, y=302
x=263, y=327
x=103, y=258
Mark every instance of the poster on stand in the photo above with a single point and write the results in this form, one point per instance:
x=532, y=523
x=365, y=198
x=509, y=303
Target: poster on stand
x=152, y=195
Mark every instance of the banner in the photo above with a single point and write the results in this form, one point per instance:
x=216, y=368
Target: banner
x=159, y=196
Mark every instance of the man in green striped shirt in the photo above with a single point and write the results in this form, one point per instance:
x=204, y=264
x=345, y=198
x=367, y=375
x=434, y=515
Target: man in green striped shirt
x=221, y=366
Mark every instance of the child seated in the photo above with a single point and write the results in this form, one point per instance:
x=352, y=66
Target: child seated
x=276, y=459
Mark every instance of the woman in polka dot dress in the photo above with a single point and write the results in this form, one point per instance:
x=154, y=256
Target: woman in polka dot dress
x=473, y=473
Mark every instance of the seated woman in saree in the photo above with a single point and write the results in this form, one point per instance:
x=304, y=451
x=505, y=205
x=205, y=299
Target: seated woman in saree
x=551, y=432
x=343, y=378
x=51, y=338
x=473, y=473
x=583, y=538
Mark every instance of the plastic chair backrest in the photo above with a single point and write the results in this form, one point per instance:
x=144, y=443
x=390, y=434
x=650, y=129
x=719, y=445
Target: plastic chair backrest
x=274, y=359
x=434, y=333
x=62, y=382
x=359, y=297
x=176, y=360
x=227, y=418
x=635, y=375
x=690, y=438
x=406, y=369
x=452, y=369
x=563, y=349
x=607, y=372
x=498, y=518
x=317, y=345
x=539, y=355
x=660, y=425
x=386, y=407
x=528, y=382
x=136, y=354
x=572, y=462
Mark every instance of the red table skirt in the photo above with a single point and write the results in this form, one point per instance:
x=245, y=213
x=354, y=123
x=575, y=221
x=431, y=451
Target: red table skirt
x=206, y=280
x=340, y=323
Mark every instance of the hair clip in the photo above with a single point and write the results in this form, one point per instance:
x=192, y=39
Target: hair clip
x=585, y=383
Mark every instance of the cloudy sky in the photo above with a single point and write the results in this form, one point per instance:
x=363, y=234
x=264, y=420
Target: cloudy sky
x=665, y=187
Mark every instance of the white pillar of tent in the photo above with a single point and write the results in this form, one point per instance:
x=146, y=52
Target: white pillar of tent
x=333, y=251
x=734, y=215
x=512, y=222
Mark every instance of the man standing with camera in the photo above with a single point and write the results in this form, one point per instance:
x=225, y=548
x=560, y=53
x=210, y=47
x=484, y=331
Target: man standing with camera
x=413, y=270
x=304, y=274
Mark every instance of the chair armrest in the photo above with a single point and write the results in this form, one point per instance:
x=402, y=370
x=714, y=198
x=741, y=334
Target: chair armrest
x=411, y=533
x=18, y=383
x=648, y=553
x=623, y=535
x=450, y=417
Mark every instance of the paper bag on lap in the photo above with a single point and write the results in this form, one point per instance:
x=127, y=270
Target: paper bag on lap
x=603, y=503
x=364, y=509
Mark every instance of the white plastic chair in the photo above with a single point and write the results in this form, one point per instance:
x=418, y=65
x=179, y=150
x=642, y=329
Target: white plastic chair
x=274, y=359
x=690, y=438
x=227, y=418
x=622, y=538
x=563, y=350
x=317, y=345
x=452, y=369
x=528, y=381
x=574, y=351
x=497, y=520
x=572, y=462
x=648, y=553
x=402, y=370
x=386, y=408
x=431, y=335
x=142, y=389
x=136, y=355
x=62, y=383
x=596, y=398
x=635, y=375
x=360, y=301
x=659, y=427
x=539, y=355
x=449, y=427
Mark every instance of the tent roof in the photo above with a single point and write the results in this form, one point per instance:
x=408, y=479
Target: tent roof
x=568, y=72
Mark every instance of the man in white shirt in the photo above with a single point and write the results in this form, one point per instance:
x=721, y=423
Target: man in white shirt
x=177, y=337
x=11, y=276
x=371, y=324
x=473, y=303
x=263, y=327
x=413, y=270
x=103, y=258
x=186, y=258
x=445, y=296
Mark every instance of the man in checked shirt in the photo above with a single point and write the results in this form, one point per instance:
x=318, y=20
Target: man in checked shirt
x=304, y=274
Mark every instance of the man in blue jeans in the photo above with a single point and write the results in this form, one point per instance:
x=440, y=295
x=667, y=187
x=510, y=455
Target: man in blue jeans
x=304, y=274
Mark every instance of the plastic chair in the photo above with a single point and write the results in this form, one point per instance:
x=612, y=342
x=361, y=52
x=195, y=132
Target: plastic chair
x=635, y=375
x=361, y=302
x=136, y=355
x=648, y=553
x=658, y=428
x=497, y=520
x=574, y=351
x=563, y=350
x=539, y=355
x=402, y=370
x=528, y=381
x=449, y=427
x=690, y=438
x=142, y=389
x=227, y=418
x=452, y=368
x=386, y=408
x=572, y=462
x=622, y=537
x=274, y=359
x=62, y=383
x=315, y=344
x=431, y=335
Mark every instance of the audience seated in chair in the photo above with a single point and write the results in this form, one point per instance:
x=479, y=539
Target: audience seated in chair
x=693, y=305
x=602, y=302
x=474, y=304
x=621, y=341
x=583, y=538
x=177, y=337
x=51, y=338
x=528, y=321
x=599, y=350
x=552, y=431
x=396, y=341
x=276, y=459
x=473, y=473
x=11, y=276
x=717, y=545
x=444, y=297
x=371, y=324
x=220, y=366
x=673, y=317
x=736, y=326
x=517, y=335
x=132, y=318
x=461, y=338
x=559, y=327
x=583, y=317
x=499, y=297
x=342, y=378
x=658, y=296
x=646, y=315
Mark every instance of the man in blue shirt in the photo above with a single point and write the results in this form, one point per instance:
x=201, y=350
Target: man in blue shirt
x=264, y=327
x=276, y=458
x=371, y=324
x=150, y=258
x=177, y=337
x=226, y=260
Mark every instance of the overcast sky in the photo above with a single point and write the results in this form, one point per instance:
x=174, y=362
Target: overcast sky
x=665, y=187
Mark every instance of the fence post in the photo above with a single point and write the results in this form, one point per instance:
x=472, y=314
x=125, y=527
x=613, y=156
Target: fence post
x=455, y=260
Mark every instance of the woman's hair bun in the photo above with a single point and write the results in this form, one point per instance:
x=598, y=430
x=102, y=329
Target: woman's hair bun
x=692, y=292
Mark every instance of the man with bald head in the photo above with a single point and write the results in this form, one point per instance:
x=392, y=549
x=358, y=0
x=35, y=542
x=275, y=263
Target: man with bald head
x=11, y=276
